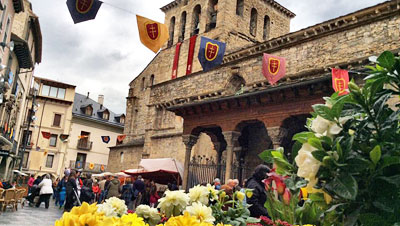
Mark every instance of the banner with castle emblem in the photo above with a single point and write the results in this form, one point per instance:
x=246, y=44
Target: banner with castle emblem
x=83, y=10
x=152, y=34
x=274, y=68
x=211, y=53
x=340, y=81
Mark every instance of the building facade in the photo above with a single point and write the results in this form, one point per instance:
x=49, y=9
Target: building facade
x=91, y=121
x=46, y=150
x=23, y=31
x=233, y=105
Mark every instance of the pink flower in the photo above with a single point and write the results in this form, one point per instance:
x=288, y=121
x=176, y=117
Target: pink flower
x=287, y=196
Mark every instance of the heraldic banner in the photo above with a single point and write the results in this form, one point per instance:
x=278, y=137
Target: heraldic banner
x=83, y=10
x=274, y=68
x=340, y=81
x=152, y=34
x=211, y=53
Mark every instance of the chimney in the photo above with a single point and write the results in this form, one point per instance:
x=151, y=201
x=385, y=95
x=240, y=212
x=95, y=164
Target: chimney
x=87, y=97
x=101, y=99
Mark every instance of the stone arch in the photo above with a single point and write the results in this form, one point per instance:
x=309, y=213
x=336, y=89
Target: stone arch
x=253, y=22
x=289, y=127
x=143, y=84
x=234, y=84
x=196, y=20
x=171, y=31
x=254, y=139
x=266, y=28
x=183, y=26
x=212, y=14
x=239, y=7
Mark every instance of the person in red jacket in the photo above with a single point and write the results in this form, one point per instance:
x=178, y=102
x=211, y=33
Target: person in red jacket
x=154, y=197
x=96, y=190
x=30, y=182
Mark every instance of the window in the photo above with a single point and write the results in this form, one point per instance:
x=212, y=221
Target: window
x=57, y=120
x=212, y=14
x=89, y=110
x=171, y=31
x=122, y=120
x=106, y=115
x=239, y=7
x=122, y=157
x=183, y=27
x=142, y=86
x=53, y=140
x=253, y=22
x=6, y=31
x=25, y=161
x=49, y=161
x=196, y=20
x=28, y=143
x=3, y=16
x=266, y=27
x=151, y=80
x=53, y=92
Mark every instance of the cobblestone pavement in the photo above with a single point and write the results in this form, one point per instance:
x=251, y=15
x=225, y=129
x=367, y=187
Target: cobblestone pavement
x=31, y=216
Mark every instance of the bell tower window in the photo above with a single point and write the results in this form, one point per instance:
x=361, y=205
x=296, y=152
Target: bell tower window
x=212, y=14
x=266, y=28
x=183, y=26
x=239, y=7
x=171, y=31
x=196, y=20
x=253, y=22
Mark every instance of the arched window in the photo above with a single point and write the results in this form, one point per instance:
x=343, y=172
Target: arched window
x=239, y=7
x=253, y=22
x=142, y=86
x=185, y=2
x=266, y=28
x=122, y=157
x=183, y=27
x=212, y=14
x=196, y=20
x=171, y=31
x=151, y=80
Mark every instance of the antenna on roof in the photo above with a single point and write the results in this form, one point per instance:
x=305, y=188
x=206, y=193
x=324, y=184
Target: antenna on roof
x=88, y=95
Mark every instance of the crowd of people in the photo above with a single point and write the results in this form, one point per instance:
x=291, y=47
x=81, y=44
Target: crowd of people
x=75, y=188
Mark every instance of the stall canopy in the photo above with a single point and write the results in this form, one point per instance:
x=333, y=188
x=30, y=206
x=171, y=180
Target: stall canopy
x=162, y=171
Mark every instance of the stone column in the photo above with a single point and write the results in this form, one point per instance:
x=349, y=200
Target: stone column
x=230, y=137
x=189, y=141
x=276, y=134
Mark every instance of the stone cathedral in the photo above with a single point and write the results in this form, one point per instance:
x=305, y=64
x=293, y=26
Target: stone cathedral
x=217, y=122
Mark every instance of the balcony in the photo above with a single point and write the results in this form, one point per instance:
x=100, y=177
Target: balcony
x=84, y=144
x=86, y=167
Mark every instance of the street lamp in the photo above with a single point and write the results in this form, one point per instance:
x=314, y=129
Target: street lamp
x=9, y=45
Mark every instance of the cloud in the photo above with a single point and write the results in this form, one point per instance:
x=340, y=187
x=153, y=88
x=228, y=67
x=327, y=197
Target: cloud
x=102, y=56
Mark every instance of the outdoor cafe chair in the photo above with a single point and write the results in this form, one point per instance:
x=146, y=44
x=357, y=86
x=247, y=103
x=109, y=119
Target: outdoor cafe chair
x=20, y=198
x=9, y=198
x=1, y=198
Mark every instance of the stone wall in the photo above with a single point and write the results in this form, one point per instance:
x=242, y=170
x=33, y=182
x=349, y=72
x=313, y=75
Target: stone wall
x=131, y=159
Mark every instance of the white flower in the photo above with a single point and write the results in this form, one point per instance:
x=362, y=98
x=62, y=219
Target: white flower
x=199, y=194
x=201, y=212
x=308, y=165
x=173, y=202
x=323, y=127
x=113, y=207
x=213, y=193
x=143, y=211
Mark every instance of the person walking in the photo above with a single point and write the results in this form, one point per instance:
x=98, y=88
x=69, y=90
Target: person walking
x=259, y=197
x=87, y=194
x=71, y=191
x=96, y=190
x=56, y=192
x=61, y=187
x=30, y=183
x=127, y=193
x=102, y=186
x=139, y=188
x=154, y=197
x=113, y=188
x=46, y=190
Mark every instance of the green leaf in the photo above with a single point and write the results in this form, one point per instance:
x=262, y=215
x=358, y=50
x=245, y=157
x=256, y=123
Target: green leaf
x=339, y=150
x=295, y=149
x=319, y=155
x=386, y=59
x=323, y=111
x=266, y=156
x=317, y=197
x=390, y=160
x=315, y=142
x=395, y=180
x=357, y=165
x=303, y=137
x=343, y=185
x=375, y=154
x=277, y=154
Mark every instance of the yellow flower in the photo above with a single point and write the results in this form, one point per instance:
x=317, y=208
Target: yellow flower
x=249, y=193
x=173, y=202
x=185, y=220
x=133, y=220
x=240, y=196
x=310, y=189
x=84, y=215
x=201, y=212
x=304, y=193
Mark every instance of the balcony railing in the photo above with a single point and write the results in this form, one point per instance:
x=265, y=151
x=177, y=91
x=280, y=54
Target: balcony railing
x=84, y=144
x=88, y=167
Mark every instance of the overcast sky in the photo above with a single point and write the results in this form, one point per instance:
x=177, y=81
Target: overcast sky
x=102, y=56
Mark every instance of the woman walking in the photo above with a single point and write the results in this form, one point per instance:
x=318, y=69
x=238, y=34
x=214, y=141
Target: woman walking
x=46, y=190
x=71, y=191
x=127, y=193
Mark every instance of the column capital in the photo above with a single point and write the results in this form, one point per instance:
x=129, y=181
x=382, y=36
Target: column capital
x=189, y=140
x=231, y=137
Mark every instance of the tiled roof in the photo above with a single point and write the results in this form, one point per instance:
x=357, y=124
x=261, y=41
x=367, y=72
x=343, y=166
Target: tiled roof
x=82, y=101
